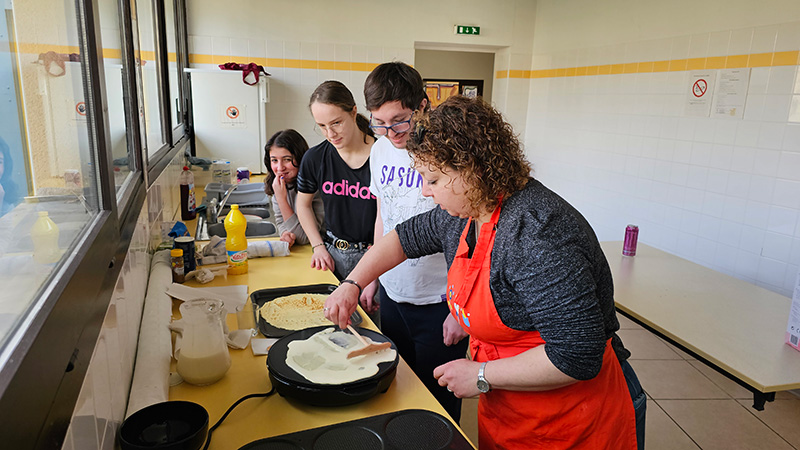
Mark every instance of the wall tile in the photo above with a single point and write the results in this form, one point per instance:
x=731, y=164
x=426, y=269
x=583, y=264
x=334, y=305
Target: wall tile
x=771, y=135
x=725, y=131
x=754, y=108
x=291, y=50
x=789, y=166
x=761, y=188
x=790, y=278
x=734, y=209
x=747, y=265
x=757, y=214
x=777, y=246
x=718, y=43
x=275, y=49
x=782, y=220
x=759, y=80
x=239, y=48
x=766, y=162
x=781, y=79
x=738, y=185
x=788, y=37
x=256, y=48
x=791, y=138
x=698, y=46
x=776, y=108
x=786, y=194
x=741, y=40
x=794, y=109
x=764, y=39
x=752, y=239
x=771, y=272
x=220, y=46
x=200, y=45
x=680, y=47
x=308, y=51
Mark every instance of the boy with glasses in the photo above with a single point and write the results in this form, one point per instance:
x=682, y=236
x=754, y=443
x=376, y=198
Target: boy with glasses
x=413, y=312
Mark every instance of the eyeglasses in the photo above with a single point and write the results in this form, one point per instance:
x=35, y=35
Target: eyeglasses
x=324, y=130
x=399, y=127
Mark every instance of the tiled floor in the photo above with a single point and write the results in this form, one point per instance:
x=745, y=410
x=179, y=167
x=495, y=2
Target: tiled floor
x=691, y=406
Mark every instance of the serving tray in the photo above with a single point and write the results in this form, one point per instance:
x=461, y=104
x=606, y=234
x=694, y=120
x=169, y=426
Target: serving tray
x=260, y=297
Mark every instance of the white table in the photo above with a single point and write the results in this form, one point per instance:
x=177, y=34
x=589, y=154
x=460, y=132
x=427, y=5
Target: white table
x=731, y=325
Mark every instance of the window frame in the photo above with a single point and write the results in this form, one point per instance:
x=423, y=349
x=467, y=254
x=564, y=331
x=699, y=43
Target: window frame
x=50, y=350
x=173, y=137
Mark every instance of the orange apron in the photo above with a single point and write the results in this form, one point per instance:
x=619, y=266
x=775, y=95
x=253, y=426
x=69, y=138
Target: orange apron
x=593, y=414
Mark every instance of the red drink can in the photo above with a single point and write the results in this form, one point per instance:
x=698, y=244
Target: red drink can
x=631, y=237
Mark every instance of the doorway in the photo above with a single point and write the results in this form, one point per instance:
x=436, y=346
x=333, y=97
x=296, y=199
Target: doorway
x=455, y=72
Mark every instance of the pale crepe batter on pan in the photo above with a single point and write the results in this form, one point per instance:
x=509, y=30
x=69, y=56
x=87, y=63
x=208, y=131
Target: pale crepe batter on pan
x=322, y=358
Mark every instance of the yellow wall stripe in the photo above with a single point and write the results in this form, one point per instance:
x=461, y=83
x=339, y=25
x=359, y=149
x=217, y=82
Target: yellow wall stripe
x=771, y=59
x=790, y=58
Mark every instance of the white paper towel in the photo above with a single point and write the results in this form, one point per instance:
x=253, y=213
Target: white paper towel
x=231, y=296
x=150, y=376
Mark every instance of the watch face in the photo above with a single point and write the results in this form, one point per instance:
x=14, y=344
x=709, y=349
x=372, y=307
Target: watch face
x=483, y=386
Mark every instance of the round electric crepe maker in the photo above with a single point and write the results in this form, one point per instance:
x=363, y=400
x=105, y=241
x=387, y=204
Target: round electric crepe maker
x=291, y=384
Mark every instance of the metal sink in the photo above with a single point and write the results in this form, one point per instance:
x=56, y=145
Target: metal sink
x=254, y=229
x=258, y=224
x=258, y=211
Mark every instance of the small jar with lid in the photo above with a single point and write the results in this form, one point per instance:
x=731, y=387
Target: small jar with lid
x=176, y=262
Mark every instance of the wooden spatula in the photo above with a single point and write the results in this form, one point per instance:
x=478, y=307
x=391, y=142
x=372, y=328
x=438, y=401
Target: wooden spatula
x=368, y=348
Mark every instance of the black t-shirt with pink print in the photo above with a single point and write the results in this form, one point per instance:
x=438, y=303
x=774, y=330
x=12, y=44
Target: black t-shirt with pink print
x=350, y=208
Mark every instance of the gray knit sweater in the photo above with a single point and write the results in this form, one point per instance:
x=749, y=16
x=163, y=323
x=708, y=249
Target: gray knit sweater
x=548, y=274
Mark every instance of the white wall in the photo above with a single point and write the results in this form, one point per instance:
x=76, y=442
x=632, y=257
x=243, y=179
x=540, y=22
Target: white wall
x=292, y=37
x=721, y=192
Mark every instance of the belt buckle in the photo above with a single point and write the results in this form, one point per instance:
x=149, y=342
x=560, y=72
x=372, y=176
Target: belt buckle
x=341, y=244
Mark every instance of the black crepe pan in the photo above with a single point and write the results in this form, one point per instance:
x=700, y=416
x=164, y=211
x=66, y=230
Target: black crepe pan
x=260, y=297
x=291, y=384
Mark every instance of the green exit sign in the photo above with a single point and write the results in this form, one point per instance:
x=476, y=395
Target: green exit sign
x=467, y=29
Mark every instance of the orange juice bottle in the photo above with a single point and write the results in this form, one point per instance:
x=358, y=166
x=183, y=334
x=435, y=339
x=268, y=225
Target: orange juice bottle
x=236, y=242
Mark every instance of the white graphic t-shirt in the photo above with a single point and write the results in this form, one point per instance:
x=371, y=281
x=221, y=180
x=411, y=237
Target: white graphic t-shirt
x=419, y=281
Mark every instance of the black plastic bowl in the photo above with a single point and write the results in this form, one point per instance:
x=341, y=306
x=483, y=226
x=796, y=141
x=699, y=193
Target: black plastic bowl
x=175, y=425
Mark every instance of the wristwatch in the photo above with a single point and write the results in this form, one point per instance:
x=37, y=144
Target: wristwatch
x=483, y=385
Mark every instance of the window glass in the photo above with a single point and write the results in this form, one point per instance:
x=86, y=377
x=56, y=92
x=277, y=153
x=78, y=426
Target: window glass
x=115, y=92
x=172, y=56
x=149, y=70
x=48, y=172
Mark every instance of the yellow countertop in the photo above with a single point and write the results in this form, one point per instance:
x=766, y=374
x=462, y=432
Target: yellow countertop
x=260, y=418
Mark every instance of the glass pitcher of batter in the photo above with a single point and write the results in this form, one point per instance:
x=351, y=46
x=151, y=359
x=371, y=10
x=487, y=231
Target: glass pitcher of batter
x=203, y=358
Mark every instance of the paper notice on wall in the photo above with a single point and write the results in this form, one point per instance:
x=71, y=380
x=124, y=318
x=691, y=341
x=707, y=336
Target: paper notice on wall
x=730, y=93
x=233, y=116
x=700, y=91
x=793, y=329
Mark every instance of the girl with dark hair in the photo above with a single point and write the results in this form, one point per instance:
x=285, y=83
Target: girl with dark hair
x=338, y=168
x=284, y=151
x=9, y=197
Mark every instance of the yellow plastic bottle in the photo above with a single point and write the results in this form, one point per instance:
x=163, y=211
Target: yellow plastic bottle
x=236, y=242
x=44, y=235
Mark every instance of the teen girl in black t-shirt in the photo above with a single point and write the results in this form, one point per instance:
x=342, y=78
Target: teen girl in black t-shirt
x=339, y=169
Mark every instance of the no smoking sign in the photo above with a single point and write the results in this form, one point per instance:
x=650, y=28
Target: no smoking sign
x=699, y=93
x=699, y=88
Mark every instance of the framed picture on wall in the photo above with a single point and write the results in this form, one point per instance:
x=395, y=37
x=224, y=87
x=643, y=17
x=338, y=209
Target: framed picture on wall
x=439, y=90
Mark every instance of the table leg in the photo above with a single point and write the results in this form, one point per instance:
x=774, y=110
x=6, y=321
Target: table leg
x=760, y=398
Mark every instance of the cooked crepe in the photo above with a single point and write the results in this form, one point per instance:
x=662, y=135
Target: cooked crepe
x=322, y=358
x=296, y=311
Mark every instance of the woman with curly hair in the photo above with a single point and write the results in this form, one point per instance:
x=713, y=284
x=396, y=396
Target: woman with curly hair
x=527, y=280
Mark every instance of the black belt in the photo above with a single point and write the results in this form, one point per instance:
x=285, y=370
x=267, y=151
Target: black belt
x=341, y=244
